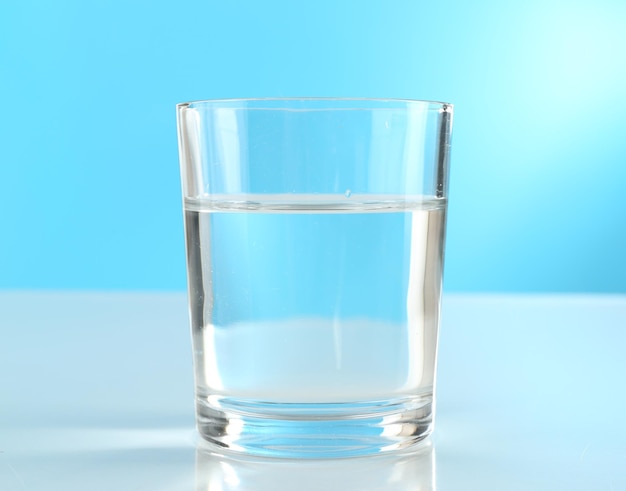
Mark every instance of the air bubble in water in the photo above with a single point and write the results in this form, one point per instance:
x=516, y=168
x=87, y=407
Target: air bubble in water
x=348, y=193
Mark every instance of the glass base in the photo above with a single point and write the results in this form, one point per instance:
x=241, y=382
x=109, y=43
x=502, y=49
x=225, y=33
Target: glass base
x=314, y=431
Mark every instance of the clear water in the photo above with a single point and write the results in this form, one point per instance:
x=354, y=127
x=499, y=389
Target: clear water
x=323, y=299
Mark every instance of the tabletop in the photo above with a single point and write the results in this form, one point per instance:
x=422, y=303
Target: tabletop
x=97, y=393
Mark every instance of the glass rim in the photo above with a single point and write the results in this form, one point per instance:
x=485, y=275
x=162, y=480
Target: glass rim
x=387, y=102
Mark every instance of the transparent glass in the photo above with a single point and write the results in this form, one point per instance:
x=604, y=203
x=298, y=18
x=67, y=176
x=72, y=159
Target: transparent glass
x=315, y=236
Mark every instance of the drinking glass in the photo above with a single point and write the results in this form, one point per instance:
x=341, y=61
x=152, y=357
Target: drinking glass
x=315, y=242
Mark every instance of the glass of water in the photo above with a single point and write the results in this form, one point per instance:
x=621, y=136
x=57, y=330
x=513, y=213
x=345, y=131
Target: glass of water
x=315, y=237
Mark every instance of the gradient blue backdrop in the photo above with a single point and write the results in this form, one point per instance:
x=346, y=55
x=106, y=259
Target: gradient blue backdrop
x=89, y=186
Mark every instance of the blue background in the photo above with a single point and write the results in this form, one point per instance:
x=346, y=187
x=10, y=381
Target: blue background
x=89, y=185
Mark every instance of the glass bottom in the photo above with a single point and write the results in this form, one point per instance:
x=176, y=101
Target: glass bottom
x=314, y=431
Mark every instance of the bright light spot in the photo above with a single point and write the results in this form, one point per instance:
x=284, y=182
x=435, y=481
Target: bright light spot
x=229, y=475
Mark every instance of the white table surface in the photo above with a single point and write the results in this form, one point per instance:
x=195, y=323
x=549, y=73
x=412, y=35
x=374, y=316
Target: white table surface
x=96, y=393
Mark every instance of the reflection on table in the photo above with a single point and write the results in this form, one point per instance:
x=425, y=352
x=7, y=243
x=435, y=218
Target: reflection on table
x=411, y=472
